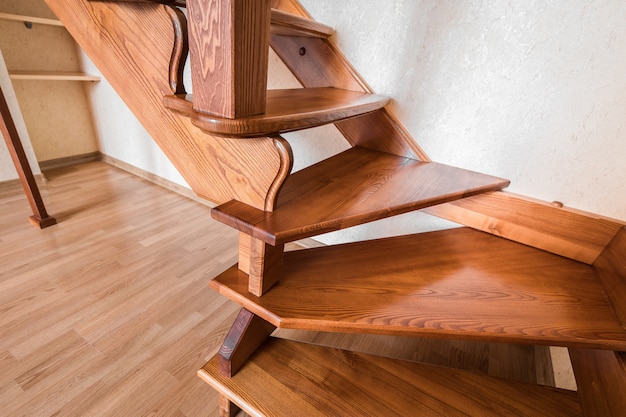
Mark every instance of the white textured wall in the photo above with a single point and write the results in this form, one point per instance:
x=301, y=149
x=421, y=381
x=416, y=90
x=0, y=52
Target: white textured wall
x=533, y=91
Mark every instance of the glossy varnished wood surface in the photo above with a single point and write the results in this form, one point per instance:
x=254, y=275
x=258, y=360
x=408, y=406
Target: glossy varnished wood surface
x=116, y=35
x=610, y=267
x=288, y=24
x=286, y=111
x=287, y=378
x=571, y=233
x=601, y=379
x=109, y=313
x=228, y=44
x=354, y=187
x=459, y=283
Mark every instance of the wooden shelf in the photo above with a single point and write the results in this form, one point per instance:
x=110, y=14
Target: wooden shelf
x=52, y=76
x=286, y=378
x=458, y=283
x=30, y=19
x=286, y=111
x=351, y=188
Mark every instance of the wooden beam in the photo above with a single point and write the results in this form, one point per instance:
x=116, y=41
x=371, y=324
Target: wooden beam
x=551, y=227
x=40, y=217
x=217, y=169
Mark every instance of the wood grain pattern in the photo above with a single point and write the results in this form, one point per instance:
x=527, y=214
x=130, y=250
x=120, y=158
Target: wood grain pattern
x=286, y=111
x=457, y=283
x=610, y=268
x=228, y=44
x=115, y=35
x=601, y=380
x=354, y=187
x=288, y=378
x=288, y=24
x=283, y=22
x=566, y=232
x=109, y=313
x=40, y=217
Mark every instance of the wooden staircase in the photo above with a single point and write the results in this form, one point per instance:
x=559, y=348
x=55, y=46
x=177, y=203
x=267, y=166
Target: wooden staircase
x=521, y=272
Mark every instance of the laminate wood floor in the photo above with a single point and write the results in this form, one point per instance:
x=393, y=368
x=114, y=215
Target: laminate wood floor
x=109, y=312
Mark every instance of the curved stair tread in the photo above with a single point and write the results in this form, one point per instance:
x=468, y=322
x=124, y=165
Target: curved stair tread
x=286, y=110
x=459, y=283
x=354, y=187
x=286, y=378
x=282, y=23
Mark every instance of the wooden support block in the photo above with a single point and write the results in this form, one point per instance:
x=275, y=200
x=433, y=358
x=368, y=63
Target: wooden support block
x=228, y=43
x=245, y=245
x=265, y=266
x=247, y=333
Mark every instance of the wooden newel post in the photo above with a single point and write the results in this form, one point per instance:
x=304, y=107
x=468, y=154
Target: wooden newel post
x=228, y=46
x=40, y=217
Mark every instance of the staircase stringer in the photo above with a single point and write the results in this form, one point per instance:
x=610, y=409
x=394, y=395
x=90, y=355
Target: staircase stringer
x=131, y=43
x=319, y=63
x=571, y=233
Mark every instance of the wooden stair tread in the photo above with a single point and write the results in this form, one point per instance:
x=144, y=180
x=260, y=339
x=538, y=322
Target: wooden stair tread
x=354, y=187
x=286, y=110
x=282, y=23
x=458, y=283
x=286, y=378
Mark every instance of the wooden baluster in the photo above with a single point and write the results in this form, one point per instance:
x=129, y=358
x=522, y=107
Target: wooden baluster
x=228, y=44
x=40, y=217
